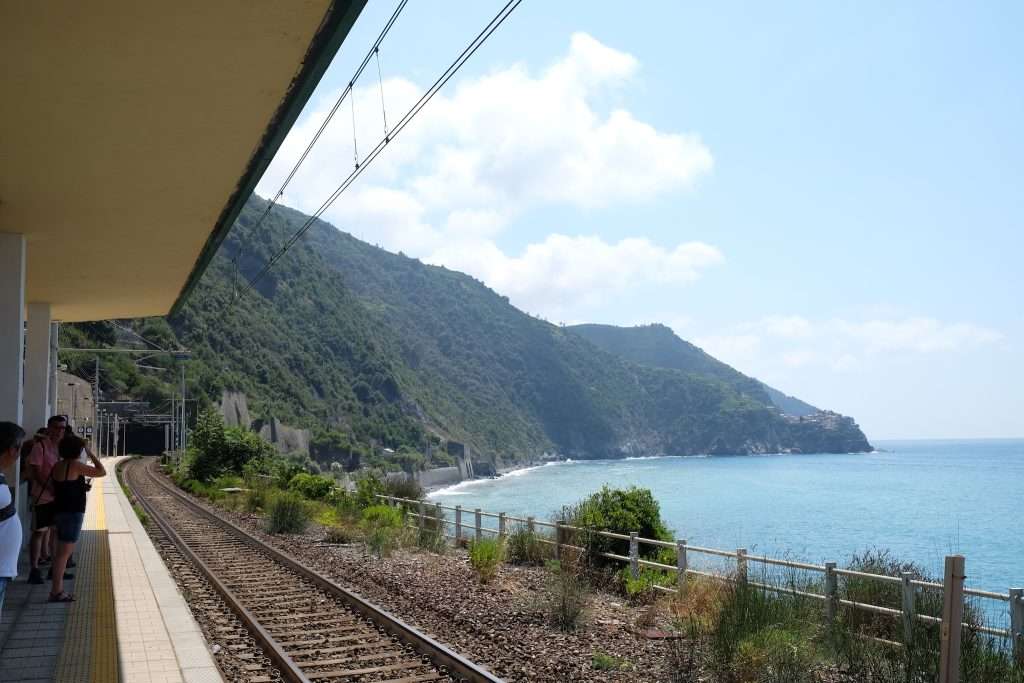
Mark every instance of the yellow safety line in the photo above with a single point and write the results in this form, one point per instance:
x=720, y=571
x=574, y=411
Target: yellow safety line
x=101, y=511
x=91, y=655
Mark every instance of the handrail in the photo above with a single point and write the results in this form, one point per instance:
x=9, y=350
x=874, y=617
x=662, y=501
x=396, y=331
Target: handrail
x=866, y=575
x=744, y=558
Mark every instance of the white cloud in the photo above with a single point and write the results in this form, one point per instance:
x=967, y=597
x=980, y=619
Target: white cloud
x=793, y=342
x=923, y=335
x=789, y=326
x=581, y=269
x=494, y=148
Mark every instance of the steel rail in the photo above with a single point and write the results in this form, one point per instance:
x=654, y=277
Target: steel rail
x=285, y=664
x=426, y=646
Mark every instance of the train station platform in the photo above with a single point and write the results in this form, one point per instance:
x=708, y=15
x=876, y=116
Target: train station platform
x=128, y=622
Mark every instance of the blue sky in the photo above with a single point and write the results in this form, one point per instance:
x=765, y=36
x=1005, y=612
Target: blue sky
x=825, y=195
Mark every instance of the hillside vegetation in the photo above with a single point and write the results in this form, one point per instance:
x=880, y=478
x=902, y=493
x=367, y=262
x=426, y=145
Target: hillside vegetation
x=370, y=349
x=658, y=346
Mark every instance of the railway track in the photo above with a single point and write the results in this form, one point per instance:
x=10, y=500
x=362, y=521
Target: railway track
x=309, y=628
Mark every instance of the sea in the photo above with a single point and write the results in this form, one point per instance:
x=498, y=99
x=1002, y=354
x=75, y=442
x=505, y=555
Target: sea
x=919, y=500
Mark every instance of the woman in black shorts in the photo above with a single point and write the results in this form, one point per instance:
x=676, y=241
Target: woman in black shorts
x=69, y=491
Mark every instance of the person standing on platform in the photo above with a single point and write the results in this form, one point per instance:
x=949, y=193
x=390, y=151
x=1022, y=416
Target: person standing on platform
x=70, y=490
x=40, y=463
x=11, y=436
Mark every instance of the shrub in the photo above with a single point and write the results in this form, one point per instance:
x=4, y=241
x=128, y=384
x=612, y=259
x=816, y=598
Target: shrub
x=642, y=589
x=776, y=654
x=342, y=534
x=345, y=504
x=621, y=511
x=696, y=609
x=217, y=449
x=565, y=595
x=196, y=488
x=256, y=498
x=605, y=662
x=403, y=487
x=430, y=532
x=312, y=486
x=524, y=547
x=885, y=594
x=230, y=499
x=382, y=516
x=484, y=556
x=367, y=489
x=382, y=528
x=288, y=513
x=745, y=611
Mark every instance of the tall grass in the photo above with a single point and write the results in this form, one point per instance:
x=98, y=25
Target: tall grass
x=565, y=594
x=524, y=546
x=404, y=487
x=288, y=513
x=430, y=531
x=752, y=635
x=382, y=528
x=484, y=556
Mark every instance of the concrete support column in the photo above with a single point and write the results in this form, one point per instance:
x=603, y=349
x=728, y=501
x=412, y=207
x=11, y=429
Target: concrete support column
x=37, y=367
x=12, y=347
x=51, y=392
x=12, y=324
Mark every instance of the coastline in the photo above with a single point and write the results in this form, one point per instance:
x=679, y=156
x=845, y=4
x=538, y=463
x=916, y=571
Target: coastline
x=502, y=473
x=519, y=470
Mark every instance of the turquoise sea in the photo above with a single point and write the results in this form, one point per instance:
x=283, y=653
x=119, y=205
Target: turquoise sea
x=920, y=499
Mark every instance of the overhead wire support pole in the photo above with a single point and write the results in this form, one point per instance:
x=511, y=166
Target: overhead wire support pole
x=96, y=406
x=182, y=407
x=443, y=79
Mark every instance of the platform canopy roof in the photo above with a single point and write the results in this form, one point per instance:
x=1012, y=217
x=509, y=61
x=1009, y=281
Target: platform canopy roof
x=131, y=134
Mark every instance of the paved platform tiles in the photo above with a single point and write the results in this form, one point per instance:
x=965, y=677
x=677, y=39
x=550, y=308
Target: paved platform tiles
x=129, y=623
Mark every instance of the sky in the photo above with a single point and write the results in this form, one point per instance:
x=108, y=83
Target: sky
x=827, y=196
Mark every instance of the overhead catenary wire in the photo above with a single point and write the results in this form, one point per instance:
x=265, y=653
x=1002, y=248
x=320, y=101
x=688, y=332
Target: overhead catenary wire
x=334, y=109
x=380, y=82
x=413, y=111
x=133, y=332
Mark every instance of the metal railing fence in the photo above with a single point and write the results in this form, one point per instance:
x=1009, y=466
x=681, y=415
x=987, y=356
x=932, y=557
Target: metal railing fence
x=910, y=588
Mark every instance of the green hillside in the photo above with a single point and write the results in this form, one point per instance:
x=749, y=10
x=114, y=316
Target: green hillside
x=371, y=349
x=658, y=346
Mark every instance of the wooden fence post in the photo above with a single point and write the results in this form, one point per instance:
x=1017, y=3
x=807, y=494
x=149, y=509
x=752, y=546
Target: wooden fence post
x=476, y=521
x=741, y=565
x=634, y=555
x=681, y=565
x=421, y=510
x=1017, y=624
x=908, y=608
x=558, y=541
x=831, y=592
x=530, y=526
x=952, y=617
x=458, y=524
x=442, y=528
x=501, y=525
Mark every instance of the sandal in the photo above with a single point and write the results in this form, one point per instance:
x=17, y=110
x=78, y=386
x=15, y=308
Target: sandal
x=62, y=597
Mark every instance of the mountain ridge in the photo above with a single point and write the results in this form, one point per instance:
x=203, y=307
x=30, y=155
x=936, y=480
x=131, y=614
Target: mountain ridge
x=658, y=345
x=372, y=350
